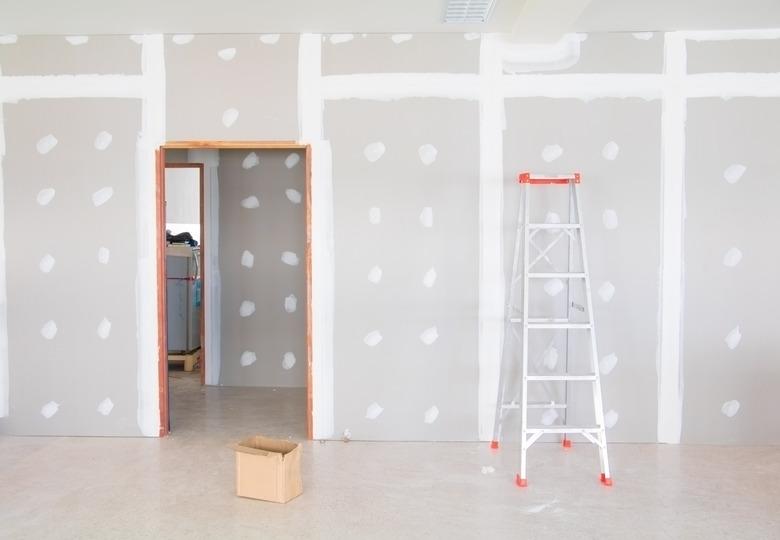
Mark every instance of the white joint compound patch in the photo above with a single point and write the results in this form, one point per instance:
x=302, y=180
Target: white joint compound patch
x=49, y=330
x=289, y=258
x=45, y=196
x=102, y=196
x=553, y=286
x=470, y=36
x=77, y=40
x=611, y=418
x=346, y=435
x=247, y=308
x=373, y=411
x=549, y=416
x=427, y=153
x=431, y=415
x=247, y=259
x=488, y=469
x=374, y=215
x=336, y=39
x=292, y=160
x=733, y=338
x=608, y=363
x=293, y=195
x=730, y=408
x=45, y=144
x=103, y=140
x=182, y=39
x=290, y=303
x=373, y=338
x=429, y=335
x=375, y=275
x=550, y=358
x=643, y=36
x=105, y=407
x=8, y=39
x=400, y=38
x=733, y=173
x=426, y=217
x=288, y=361
x=104, y=328
x=248, y=358
x=103, y=255
x=606, y=291
x=227, y=54
x=251, y=160
x=551, y=152
x=269, y=39
x=732, y=257
x=50, y=409
x=229, y=117
x=250, y=202
x=610, y=219
x=46, y=263
x=429, y=279
x=610, y=151
x=137, y=38
x=373, y=151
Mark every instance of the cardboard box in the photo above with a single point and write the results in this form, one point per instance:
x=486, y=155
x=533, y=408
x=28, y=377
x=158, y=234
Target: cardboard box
x=268, y=469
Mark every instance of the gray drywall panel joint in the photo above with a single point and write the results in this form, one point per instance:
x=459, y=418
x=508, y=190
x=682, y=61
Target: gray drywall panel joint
x=152, y=137
x=491, y=275
x=4, y=386
x=310, y=118
x=669, y=361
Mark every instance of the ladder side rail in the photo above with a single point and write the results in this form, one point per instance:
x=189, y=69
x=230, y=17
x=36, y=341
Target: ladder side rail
x=524, y=381
x=569, y=257
x=598, y=404
x=508, y=332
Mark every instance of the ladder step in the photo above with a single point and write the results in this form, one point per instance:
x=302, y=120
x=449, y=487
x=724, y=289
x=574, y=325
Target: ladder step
x=556, y=275
x=562, y=377
x=554, y=226
x=563, y=429
x=547, y=323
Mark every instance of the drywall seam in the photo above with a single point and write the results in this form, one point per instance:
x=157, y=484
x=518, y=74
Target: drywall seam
x=18, y=88
x=212, y=294
x=323, y=266
x=4, y=374
x=584, y=86
x=528, y=57
x=669, y=360
x=394, y=86
x=491, y=274
x=151, y=137
x=728, y=35
x=730, y=85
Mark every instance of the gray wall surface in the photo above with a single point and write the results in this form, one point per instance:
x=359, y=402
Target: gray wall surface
x=732, y=346
x=266, y=347
x=245, y=87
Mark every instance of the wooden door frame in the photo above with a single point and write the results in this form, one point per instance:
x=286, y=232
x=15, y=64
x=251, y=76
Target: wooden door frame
x=161, y=244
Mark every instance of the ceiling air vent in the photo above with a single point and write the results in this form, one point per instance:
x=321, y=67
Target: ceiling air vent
x=468, y=11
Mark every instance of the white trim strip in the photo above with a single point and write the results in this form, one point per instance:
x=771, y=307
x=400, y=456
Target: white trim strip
x=729, y=85
x=310, y=123
x=584, y=86
x=669, y=361
x=4, y=374
x=18, y=88
x=152, y=136
x=393, y=86
x=491, y=212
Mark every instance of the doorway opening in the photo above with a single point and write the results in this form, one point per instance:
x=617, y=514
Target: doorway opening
x=234, y=285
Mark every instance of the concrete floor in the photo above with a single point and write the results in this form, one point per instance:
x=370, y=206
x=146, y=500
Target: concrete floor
x=182, y=486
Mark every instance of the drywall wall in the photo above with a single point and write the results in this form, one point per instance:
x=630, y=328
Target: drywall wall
x=488, y=111
x=262, y=242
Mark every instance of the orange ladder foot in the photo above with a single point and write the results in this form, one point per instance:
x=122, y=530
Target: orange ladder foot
x=606, y=481
x=521, y=482
x=567, y=443
x=494, y=445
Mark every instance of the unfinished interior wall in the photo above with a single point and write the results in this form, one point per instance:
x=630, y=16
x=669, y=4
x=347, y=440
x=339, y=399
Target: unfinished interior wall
x=371, y=106
x=262, y=242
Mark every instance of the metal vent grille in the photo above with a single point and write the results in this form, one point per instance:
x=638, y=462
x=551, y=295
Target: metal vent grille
x=468, y=11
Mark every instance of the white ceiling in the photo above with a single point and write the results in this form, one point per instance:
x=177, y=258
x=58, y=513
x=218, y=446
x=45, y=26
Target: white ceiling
x=546, y=18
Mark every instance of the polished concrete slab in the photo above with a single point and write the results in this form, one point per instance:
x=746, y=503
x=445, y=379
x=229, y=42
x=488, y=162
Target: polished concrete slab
x=182, y=486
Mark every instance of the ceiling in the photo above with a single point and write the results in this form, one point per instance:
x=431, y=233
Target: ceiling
x=530, y=19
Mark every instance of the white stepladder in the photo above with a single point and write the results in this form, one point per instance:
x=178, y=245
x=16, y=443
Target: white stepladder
x=527, y=232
